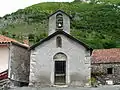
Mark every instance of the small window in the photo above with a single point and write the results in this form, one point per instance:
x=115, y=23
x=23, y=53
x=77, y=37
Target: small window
x=109, y=70
x=59, y=42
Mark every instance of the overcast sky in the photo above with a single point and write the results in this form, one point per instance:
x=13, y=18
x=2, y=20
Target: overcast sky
x=9, y=6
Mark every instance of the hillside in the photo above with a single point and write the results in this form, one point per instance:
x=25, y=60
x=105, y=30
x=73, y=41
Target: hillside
x=98, y=25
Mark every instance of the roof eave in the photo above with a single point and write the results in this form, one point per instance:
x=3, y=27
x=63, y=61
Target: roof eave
x=18, y=44
x=4, y=42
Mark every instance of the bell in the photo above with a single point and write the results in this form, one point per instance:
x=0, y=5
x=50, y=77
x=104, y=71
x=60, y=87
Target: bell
x=59, y=25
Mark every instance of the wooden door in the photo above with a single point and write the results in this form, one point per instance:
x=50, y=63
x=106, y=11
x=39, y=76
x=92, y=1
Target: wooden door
x=60, y=72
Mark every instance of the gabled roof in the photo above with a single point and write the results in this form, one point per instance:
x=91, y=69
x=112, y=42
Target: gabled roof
x=61, y=12
x=63, y=33
x=6, y=40
x=106, y=56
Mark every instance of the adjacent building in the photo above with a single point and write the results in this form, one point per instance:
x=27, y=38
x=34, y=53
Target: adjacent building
x=14, y=61
x=106, y=65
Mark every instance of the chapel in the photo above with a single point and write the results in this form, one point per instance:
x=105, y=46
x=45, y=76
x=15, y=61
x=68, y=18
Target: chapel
x=60, y=59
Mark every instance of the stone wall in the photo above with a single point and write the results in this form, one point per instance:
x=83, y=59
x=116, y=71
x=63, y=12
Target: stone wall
x=19, y=64
x=101, y=69
x=77, y=64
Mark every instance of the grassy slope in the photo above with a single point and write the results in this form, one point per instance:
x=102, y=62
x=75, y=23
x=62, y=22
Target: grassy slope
x=96, y=25
x=111, y=1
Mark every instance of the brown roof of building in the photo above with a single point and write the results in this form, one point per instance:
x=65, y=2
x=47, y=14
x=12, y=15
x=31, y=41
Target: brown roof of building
x=6, y=40
x=106, y=55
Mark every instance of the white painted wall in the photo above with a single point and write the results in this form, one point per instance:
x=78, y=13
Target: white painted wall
x=42, y=63
x=4, y=56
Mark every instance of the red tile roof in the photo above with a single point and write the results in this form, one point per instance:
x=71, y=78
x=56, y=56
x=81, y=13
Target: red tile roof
x=106, y=55
x=4, y=39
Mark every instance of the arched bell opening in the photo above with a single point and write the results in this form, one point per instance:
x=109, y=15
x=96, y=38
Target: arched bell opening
x=59, y=21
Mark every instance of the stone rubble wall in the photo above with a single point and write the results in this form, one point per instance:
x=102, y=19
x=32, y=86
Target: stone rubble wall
x=19, y=63
x=102, y=69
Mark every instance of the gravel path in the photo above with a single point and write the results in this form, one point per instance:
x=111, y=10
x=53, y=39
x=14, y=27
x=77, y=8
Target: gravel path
x=71, y=88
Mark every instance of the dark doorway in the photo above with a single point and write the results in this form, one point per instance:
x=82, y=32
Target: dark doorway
x=60, y=72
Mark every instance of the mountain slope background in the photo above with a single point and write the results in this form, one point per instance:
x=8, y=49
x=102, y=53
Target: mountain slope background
x=96, y=23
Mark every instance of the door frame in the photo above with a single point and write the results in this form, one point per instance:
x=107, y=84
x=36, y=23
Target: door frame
x=53, y=70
